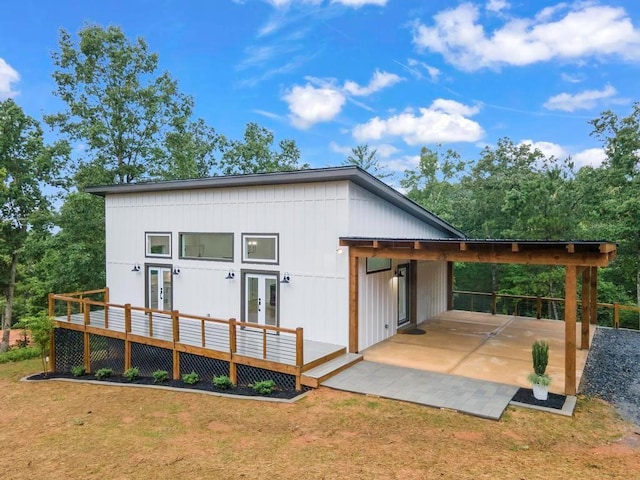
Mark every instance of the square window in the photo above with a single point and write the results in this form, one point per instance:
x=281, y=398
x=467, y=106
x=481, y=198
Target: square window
x=207, y=246
x=158, y=245
x=260, y=248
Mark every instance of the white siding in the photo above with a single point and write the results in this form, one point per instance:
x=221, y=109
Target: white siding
x=432, y=289
x=309, y=219
x=371, y=216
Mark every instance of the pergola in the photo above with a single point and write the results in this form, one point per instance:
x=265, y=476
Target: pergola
x=577, y=257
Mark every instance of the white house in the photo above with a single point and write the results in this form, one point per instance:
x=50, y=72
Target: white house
x=266, y=248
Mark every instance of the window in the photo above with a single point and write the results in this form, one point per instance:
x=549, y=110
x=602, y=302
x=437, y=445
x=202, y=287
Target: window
x=207, y=246
x=376, y=264
x=158, y=245
x=260, y=248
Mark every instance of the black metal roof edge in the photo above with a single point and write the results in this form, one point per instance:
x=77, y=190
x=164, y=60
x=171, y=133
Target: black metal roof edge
x=480, y=240
x=352, y=173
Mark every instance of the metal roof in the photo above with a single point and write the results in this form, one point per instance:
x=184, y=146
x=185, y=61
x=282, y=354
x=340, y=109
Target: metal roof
x=350, y=173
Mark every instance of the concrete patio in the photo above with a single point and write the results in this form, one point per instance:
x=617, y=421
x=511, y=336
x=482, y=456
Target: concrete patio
x=481, y=346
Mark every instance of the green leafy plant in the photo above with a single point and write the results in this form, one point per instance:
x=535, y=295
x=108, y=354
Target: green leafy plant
x=540, y=357
x=191, y=378
x=19, y=354
x=78, y=370
x=103, y=373
x=131, y=373
x=40, y=326
x=223, y=382
x=264, y=387
x=160, y=376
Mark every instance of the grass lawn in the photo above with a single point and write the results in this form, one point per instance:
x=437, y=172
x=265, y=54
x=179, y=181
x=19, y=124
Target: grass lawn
x=66, y=430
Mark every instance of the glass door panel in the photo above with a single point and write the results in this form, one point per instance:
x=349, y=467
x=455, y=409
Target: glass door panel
x=403, y=296
x=261, y=299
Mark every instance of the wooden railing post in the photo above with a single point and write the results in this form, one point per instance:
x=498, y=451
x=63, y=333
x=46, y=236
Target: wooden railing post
x=52, y=305
x=127, y=342
x=106, y=295
x=616, y=315
x=494, y=303
x=299, y=357
x=175, y=317
x=51, y=365
x=538, y=307
x=87, y=341
x=233, y=372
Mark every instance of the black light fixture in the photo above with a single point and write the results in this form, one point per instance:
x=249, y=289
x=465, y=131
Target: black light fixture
x=231, y=275
x=398, y=273
x=136, y=267
x=286, y=278
x=176, y=270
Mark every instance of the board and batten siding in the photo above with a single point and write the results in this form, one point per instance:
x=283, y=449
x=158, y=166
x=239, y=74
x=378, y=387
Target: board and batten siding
x=431, y=290
x=309, y=219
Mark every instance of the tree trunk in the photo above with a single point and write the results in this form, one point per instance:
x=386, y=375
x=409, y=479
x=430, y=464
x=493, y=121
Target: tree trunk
x=6, y=324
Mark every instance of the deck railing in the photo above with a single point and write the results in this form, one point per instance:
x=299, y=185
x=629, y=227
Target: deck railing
x=262, y=346
x=609, y=314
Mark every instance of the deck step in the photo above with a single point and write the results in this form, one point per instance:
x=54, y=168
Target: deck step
x=314, y=377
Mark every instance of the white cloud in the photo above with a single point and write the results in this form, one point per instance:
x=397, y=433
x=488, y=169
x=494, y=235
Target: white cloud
x=566, y=32
x=8, y=76
x=589, y=157
x=310, y=105
x=580, y=101
x=334, y=147
x=548, y=149
x=497, y=5
x=401, y=164
x=434, y=73
x=379, y=81
x=443, y=122
x=572, y=77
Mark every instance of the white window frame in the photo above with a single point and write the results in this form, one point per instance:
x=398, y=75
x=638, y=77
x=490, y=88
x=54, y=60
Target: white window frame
x=147, y=245
x=245, y=248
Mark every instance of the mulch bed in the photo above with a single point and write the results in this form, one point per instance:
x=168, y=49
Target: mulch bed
x=525, y=395
x=201, y=386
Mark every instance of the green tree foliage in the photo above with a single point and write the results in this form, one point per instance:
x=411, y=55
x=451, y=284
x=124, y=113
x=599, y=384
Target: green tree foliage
x=255, y=153
x=364, y=157
x=25, y=164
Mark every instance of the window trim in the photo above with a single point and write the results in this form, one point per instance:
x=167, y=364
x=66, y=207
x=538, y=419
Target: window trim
x=147, y=252
x=264, y=261
x=207, y=259
x=381, y=269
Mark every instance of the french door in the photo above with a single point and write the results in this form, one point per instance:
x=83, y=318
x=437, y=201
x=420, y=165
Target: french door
x=403, y=294
x=261, y=299
x=159, y=288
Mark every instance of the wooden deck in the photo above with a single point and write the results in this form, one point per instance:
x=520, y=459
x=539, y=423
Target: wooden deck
x=266, y=347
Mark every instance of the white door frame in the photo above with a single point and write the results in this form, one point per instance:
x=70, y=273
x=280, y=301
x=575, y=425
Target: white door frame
x=266, y=309
x=164, y=293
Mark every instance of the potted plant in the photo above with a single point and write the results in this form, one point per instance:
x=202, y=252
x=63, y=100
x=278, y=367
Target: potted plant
x=538, y=378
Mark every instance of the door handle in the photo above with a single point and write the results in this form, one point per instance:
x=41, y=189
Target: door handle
x=259, y=304
x=161, y=294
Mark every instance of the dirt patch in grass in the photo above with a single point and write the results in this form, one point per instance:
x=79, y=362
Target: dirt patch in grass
x=66, y=430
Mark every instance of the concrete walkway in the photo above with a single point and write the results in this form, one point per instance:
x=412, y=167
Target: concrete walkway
x=474, y=397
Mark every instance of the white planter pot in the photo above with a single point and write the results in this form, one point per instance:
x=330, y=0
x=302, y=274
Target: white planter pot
x=540, y=392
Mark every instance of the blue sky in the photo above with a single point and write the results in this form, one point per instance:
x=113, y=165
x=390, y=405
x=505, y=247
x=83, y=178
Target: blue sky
x=395, y=74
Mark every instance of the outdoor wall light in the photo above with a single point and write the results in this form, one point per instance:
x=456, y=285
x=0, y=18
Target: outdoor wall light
x=136, y=267
x=286, y=278
x=231, y=275
x=339, y=250
x=176, y=270
x=398, y=273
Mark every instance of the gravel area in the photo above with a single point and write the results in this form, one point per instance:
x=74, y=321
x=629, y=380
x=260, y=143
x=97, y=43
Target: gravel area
x=613, y=370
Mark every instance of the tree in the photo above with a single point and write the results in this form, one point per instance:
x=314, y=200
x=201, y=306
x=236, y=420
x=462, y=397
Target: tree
x=25, y=164
x=119, y=110
x=361, y=156
x=618, y=189
x=254, y=154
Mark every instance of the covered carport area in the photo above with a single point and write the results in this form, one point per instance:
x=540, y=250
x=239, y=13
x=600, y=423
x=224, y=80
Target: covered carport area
x=577, y=257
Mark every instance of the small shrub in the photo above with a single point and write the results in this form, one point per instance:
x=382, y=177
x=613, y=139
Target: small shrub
x=78, y=370
x=132, y=373
x=191, y=378
x=540, y=356
x=160, y=376
x=104, y=373
x=223, y=382
x=19, y=354
x=265, y=387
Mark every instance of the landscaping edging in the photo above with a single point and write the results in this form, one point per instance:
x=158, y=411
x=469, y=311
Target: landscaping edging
x=183, y=389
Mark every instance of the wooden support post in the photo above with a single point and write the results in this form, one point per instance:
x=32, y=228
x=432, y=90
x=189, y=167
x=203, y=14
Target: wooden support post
x=106, y=295
x=593, y=280
x=127, y=330
x=175, y=320
x=450, y=273
x=494, y=303
x=52, y=306
x=616, y=315
x=51, y=365
x=585, y=309
x=353, y=304
x=299, y=357
x=87, y=341
x=176, y=363
x=538, y=307
x=570, y=307
x=413, y=292
x=233, y=371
